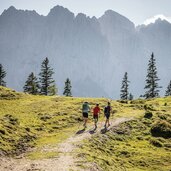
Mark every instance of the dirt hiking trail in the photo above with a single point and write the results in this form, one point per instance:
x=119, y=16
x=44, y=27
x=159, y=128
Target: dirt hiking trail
x=65, y=161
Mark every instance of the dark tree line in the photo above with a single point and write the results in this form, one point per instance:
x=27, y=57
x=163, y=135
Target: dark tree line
x=45, y=84
x=168, y=90
x=152, y=87
x=2, y=76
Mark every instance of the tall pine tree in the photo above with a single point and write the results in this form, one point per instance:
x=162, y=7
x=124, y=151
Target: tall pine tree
x=152, y=79
x=124, y=89
x=31, y=85
x=46, y=80
x=67, y=88
x=2, y=76
x=168, y=90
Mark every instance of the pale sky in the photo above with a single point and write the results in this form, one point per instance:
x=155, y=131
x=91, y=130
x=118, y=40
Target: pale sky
x=135, y=10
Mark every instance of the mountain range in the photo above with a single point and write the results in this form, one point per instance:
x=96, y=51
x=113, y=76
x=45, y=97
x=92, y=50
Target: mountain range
x=93, y=52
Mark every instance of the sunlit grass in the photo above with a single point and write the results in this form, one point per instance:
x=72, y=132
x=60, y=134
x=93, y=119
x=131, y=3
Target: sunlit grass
x=47, y=121
x=136, y=149
x=37, y=155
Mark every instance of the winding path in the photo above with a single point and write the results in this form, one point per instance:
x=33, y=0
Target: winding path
x=64, y=162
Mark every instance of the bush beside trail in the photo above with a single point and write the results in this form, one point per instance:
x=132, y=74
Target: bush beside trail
x=161, y=128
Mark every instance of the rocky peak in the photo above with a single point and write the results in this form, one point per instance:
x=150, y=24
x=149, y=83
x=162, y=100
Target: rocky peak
x=60, y=12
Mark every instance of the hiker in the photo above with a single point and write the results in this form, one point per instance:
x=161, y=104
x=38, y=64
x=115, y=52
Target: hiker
x=85, y=110
x=107, y=111
x=96, y=112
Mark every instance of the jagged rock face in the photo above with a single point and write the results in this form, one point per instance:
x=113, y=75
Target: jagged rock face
x=93, y=53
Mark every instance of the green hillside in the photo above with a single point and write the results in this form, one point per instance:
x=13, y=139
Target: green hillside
x=31, y=122
x=28, y=121
x=143, y=143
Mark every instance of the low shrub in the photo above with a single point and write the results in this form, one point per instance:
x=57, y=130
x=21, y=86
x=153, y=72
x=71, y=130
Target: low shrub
x=148, y=115
x=161, y=128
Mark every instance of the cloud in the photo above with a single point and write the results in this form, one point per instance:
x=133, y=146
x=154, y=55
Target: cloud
x=153, y=19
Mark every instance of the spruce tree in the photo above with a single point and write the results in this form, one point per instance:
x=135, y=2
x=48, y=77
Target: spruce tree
x=46, y=80
x=52, y=90
x=152, y=79
x=124, y=89
x=67, y=88
x=31, y=85
x=2, y=76
x=168, y=90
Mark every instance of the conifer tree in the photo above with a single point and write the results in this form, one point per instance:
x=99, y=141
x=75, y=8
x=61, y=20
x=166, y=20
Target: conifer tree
x=46, y=80
x=152, y=79
x=67, y=88
x=131, y=97
x=52, y=90
x=2, y=76
x=168, y=90
x=124, y=89
x=31, y=85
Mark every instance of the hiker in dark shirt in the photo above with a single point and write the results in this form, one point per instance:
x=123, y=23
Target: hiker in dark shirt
x=107, y=111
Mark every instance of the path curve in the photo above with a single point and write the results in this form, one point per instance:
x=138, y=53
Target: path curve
x=64, y=162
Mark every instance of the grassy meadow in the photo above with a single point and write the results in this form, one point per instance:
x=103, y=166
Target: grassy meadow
x=35, y=121
x=144, y=143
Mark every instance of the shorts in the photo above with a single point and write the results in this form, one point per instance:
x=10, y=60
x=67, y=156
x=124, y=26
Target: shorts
x=107, y=116
x=96, y=117
x=85, y=114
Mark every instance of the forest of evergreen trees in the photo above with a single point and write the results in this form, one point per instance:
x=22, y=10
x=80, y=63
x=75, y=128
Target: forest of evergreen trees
x=45, y=84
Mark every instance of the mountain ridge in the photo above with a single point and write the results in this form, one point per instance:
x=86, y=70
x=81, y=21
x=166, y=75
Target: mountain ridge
x=61, y=8
x=83, y=45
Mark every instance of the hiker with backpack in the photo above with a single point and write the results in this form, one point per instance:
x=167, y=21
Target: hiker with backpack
x=96, y=111
x=85, y=111
x=107, y=111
